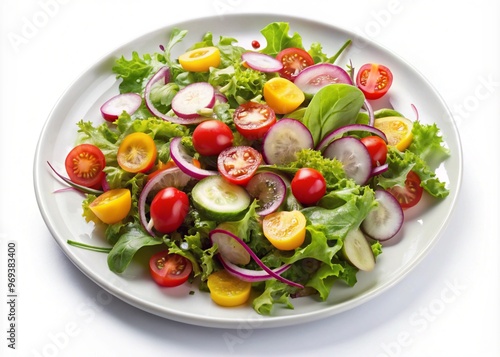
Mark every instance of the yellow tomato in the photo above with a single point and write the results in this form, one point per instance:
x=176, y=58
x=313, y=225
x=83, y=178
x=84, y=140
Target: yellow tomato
x=397, y=130
x=227, y=290
x=282, y=95
x=285, y=230
x=200, y=59
x=112, y=206
x=137, y=153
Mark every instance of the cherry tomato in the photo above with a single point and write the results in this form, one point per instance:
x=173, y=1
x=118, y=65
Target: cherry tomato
x=286, y=230
x=374, y=80
x=282, y=95
x=409, y=195
x=294, y=60
x=169, y=209
x=112, y=206
x=137, y=153
x=253, y=120
x=308, y=186
x=377, y=148
x=228, y=290
x=200, y=59
x=84, y=165
x=169, y=269
x=210, y=137
x=238, y=164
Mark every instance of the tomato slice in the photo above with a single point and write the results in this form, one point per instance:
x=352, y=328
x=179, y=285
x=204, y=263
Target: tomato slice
x=169, y=269
x=112, y=206
x=137, y=153
x=85, y=164
x=294, y=60
x=238, y=164
x=409, y=195
x=374, y=80
x=286, y=230
x=253, y=120
x=227, y=290
x=200, y=59
x=282, y=95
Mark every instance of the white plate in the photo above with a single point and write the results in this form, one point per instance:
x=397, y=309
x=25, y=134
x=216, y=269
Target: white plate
x=62, y=211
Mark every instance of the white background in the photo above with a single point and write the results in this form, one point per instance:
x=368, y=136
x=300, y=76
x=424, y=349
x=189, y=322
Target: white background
x=454, y=44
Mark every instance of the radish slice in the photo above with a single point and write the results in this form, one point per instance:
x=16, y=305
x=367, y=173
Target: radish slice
x=193, y=98
x=358, y=251
x=284, y=139
x=269, y=189
x=185, y=161
x=311, y=79
x=384, y=221
x=354, y=156
x=163, y=74
x=337, y=133
x=261, y=62
x=230, y=249
x=128, y=102
x=251, y=276
x=172, y=177
x=254, y=256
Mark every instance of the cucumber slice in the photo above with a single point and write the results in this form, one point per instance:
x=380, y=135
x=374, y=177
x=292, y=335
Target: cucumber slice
x=219, y=199
x=358, y=251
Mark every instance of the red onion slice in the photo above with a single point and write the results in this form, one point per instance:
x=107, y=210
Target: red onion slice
x=250, y=275
x=164, y=74
x=337, y=133
x=255, y=258
x=185, y=162
x=377, y=170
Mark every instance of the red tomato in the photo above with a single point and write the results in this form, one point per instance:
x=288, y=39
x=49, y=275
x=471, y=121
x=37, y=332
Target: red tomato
x=238, y=164
x=169, y=269
x=253, y=120
x=377, y=148
x=294, y=60
x=169, y=209
x=308, y=186
x=210, y=137
x=374, y=80
x=409, y=195
x=84, y=165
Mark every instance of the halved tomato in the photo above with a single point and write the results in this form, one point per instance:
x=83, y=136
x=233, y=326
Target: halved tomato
x=200, y=59
x=169, y=269
x=409, y=195
x=294, y=60
x=238, y=164
x=85, y=164
x=112, y=206
x=282, y=95
x=374, y=80
x=137, y=153
x=253, y=120
x=286, y=230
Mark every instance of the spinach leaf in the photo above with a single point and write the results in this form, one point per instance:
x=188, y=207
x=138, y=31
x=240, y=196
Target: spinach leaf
x=132, y=239
x=333, y=106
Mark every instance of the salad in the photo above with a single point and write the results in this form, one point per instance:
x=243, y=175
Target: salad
x=262, y=175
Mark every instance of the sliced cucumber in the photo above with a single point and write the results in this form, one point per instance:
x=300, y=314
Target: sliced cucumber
x=219, y=199
x=358, y=251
